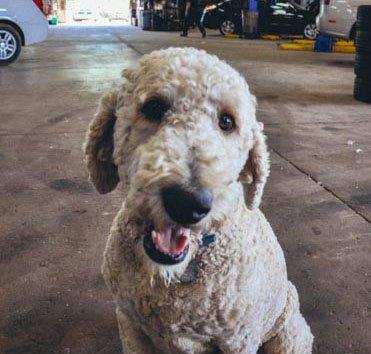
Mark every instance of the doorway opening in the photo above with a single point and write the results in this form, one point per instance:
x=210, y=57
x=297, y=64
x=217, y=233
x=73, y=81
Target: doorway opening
x=87, y=12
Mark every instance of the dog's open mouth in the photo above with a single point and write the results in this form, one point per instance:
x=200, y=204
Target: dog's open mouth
x=167, y=246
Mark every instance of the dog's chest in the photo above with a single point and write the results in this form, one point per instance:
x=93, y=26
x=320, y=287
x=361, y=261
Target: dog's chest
x=193, y=308
x=214, y=298
x=237, y=289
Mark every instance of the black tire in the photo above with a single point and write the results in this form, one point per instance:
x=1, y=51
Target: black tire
x=310, y=31
x=363, y=59
x=362, y=90
x=8, y=56
x=362, y=71
x=363, y=42
x=226, y=25
x=364, y=17
x=353, y=31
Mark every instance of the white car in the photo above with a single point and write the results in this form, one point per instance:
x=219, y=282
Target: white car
x=337, y=18
x=21, y=23
x=84, y=14
x=118, y=15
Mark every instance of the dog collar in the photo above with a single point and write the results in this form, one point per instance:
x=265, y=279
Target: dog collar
x=207, y=239
x=190, y=274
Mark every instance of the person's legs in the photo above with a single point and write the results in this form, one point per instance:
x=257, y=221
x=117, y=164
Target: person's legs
x=193, y=17
x=185, y=26
x=202, y=29
x=200, y=25
x=197, y=17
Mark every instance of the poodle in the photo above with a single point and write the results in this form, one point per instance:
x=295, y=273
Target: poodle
x=191, y=261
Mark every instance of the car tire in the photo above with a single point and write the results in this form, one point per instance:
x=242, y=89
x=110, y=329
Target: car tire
x=310, y=31
x=364, y=17
x=362, y=90
x=363, y=42
x=228, y=27
x=364, y=58
x=353, y=31
x=362, y=71
x=362, y=65
x=10, y=44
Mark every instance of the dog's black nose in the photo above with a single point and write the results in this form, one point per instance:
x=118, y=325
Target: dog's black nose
x=186, y=207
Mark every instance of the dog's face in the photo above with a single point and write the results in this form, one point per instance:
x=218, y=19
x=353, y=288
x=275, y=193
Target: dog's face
x=181, y=135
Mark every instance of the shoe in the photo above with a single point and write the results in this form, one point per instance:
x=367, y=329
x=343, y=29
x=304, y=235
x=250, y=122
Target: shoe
x=184, y=35
x=203, y=34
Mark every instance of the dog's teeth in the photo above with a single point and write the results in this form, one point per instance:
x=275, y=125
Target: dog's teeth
x=153, y=235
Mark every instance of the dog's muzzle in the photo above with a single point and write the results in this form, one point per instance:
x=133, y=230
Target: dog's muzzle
x=170, y=244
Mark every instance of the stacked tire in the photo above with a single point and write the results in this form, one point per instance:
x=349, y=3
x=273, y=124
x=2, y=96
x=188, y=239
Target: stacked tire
x=362, y=68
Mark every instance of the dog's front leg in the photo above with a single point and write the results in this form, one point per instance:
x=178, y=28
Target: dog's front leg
x=294, y=335
x=134, y=341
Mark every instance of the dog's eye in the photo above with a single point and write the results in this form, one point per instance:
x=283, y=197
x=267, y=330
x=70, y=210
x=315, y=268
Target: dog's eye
x=226, y=122
x=154, y=109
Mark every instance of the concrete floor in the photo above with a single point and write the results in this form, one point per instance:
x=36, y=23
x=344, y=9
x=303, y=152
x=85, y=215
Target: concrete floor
x=54, y=226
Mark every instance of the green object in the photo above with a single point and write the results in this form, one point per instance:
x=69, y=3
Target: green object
x=53, y=21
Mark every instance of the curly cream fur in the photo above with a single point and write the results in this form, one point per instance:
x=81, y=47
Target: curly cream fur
x=240, y=298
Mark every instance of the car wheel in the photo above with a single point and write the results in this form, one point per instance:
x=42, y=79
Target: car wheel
x=10, y=44
x=353, y=31
x=227, y=27
x=362, y=70
x=362, y=67
x=364, y=59
x=363, y=42
x=364, y=17
x=310, y=31
x=362, y=90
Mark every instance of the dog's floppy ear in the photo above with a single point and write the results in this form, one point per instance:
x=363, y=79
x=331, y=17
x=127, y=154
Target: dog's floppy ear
x=254, y=174
x=98, y=146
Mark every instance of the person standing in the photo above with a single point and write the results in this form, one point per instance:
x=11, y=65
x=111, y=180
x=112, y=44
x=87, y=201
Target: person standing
x=192, y=15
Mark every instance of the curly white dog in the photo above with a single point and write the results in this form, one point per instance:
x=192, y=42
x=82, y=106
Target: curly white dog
x=192, y=263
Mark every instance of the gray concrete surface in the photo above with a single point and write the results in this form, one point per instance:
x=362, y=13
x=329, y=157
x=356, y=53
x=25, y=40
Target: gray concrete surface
x=54, y=226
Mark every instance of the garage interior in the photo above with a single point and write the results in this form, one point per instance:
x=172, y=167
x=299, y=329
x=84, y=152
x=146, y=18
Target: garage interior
x=54, y=225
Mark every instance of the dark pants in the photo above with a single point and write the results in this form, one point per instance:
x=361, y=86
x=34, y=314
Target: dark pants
x=191, y=18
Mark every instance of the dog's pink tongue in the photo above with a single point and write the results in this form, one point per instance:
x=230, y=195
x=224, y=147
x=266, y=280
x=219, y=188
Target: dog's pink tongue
x=170, y=241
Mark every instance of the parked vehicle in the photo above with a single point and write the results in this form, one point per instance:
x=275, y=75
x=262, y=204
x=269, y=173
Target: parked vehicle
x=277, y=17
x=118, y=15
x=225, y=16
x=84, y=15
x=21, y=23
x=337, y=18
x=290, y=18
